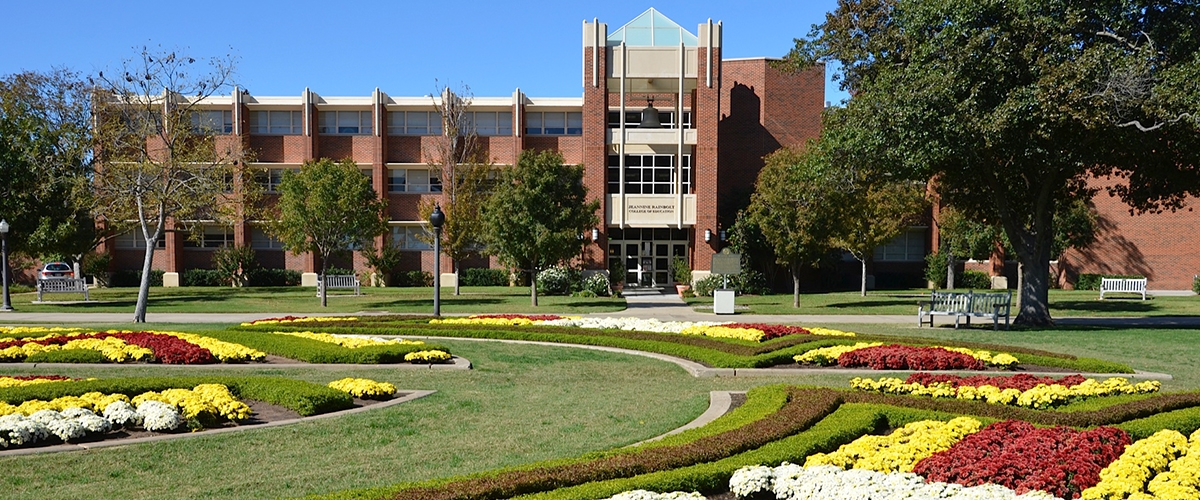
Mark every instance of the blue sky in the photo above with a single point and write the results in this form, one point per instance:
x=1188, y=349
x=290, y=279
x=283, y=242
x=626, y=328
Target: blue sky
x=350, y=47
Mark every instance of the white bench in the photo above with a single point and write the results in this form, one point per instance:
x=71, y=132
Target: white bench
x=1123, y=285
x=338, y=281
x=968, y=305
x=62, y=285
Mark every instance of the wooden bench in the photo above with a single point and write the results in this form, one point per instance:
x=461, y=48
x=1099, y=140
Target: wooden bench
x=1123, y=285
x=338, y=281
x=62, y=285
x=968, y=305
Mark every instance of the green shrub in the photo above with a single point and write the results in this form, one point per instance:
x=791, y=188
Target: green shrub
x=1196, y=284
x=67, y=356
x=616, y=271
x=96, y=265
x=681, y=272
x=704, y=287
x=935, y=269
x=976, y=280
x=596, y=284
x=554, y=281
x=273, y=277
x=202, y=277
x=412, y=278
x=750, y=282
x=233, y=263
x=1092, y=281
x=340, y=271
x=127, y=278
x=483, y=277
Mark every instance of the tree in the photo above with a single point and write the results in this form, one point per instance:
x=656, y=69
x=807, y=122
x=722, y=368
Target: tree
x=159, y=156
x=536, y=213
x=1004, y=103
x=325, y=208
x=876, y=210
x=464, y=171
x=45, y=155
x=796, y=206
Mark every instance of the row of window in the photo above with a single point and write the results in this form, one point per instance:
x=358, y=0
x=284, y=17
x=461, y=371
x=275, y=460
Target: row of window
x=413, y=237
x=400, y=180
x=648, y=174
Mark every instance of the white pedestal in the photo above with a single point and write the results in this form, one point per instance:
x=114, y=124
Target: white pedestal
x=723, y=301
x=308, y=279
x=449, y=279
x=170, y=280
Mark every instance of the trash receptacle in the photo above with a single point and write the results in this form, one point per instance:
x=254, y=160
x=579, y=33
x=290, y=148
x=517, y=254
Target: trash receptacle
x=723, y=301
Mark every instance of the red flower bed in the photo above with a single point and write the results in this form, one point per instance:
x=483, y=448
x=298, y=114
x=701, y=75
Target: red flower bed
x=902, y=357
x=1021, y=381
x=771, y=331
x=167, y=349
x=531, y=317
x=37, y=377
x=1015, y=454
x=283, y=318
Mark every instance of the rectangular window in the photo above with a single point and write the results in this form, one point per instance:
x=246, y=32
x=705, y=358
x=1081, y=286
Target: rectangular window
x=634, y=118
x=554, y=123
x=369, y=175
x=212, y=121
x=648, y=174
x=260, y=240
x=413, y=180
x=345, y=122
x=277, y=122
x=212, y=237
x=133, y=239
x=269, y=179
x=489, y=122
x=414, y=123
x=908, y=247
x=411, y=238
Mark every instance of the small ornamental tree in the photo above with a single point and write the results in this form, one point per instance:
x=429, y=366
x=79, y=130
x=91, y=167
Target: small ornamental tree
x=325, y=208
x=536, y=213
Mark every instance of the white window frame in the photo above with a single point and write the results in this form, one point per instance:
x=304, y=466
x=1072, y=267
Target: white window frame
x=538, y=123
x=345, y=122
x=908, y=247
x=406, y=123
x=429, y=175
x=205, y=121
x=270, y=122
x=494, y=123
x=133, y=240
x=261, y=240
x=404, y=237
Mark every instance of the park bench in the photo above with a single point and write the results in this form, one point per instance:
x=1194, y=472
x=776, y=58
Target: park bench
x=338, y=281
x=1123, y=285
x=967, y=305
x=62, y=285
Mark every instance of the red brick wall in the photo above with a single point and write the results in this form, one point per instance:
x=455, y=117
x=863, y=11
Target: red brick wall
x=571, y=147
x=595, y=151
x=360, y=148
x=707, y=165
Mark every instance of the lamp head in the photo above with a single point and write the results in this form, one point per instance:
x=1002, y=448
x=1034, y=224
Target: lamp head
x=4, y=226
x=437, y=218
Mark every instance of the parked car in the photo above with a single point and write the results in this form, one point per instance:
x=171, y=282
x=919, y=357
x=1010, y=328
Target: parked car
x=56, y=270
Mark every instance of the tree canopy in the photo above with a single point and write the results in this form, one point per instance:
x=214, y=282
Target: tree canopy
x=1012, y=106
x=325, y=208
x=537, y=212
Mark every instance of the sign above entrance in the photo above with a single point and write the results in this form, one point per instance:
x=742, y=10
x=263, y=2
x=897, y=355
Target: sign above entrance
x=726, y=263
x=651, y=210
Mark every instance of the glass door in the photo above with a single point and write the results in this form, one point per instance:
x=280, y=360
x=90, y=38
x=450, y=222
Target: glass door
x=647, y=253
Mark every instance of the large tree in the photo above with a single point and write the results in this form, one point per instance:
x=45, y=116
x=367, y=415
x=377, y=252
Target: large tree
x=796, y=204
x=45, y=154
x=326, y=208
x=536, y=213
x=1008, y=104
x=161, y=157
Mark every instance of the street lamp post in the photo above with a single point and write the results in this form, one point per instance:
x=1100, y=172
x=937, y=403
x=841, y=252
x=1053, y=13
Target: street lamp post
x=4, y=257
x=436, y=219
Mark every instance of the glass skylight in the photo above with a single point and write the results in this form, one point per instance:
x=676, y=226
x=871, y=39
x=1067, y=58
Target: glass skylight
x=652, y=29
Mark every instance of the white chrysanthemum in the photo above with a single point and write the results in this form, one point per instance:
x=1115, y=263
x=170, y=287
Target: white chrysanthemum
x=65, y=428
x=17, y=430
x=122, y=414
x=650, y=495
x=827, y=482
x=158, y=416
x=93, y=423
x=750, y=480
x=639, y=324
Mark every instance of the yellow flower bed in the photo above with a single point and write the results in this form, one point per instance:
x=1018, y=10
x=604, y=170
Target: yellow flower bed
x=752, y=334
x=1002, y=360
x=1040, y=397
x=901, y=450
x=484, y=321
x=204, y=399
x=113, y=349
x=829, y=355
x=364, y=388
x=94, y=401
x=224, y=351
x=16, y=382
x=816, y=330
x=1165, y=463
x=348, y=342
x=45, y=332
x=433, y=356
x=312, y=319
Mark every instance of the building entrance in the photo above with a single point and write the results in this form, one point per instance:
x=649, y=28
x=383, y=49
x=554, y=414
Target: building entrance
x=647, y=253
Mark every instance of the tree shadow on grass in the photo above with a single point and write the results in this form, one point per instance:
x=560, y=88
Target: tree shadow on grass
x=1106, y=306
x=875, y=303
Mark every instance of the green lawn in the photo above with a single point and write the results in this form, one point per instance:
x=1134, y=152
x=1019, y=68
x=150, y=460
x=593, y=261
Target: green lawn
x=521, y=403
x=285, y=300
x=1063, y=303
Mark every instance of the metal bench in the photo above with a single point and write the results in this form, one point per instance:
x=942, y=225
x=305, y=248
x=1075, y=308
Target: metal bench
x=62, y=285
x=967, y=305
x=1123, y=285
x=338, y=281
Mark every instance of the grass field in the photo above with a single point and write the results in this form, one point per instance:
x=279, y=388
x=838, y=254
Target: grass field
x=521, y=403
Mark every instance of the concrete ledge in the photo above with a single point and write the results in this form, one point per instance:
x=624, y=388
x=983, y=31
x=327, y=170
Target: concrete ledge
x=719, y=403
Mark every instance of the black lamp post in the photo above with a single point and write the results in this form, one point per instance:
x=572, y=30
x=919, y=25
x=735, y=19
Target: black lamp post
x=436, y=219
x=4, y=257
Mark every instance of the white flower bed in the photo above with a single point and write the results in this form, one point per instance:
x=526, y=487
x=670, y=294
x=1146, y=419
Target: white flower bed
x=159, y=416
x=826, y=482
x=645, y=325
x=650, y=495
x=74, y=423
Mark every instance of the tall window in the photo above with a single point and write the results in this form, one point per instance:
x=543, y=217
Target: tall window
x=490, y=122
x=414, y=123
x=370, y=176
x=277, y=122
x=345, y=122
x=648, y=174
x=410, y=238
x=634, y=118
x=554, y=123
x=212, y=237
x=413, y=180
x=260, y=240
x=908, y=247
x=269, y=179
x=212, y=121
x=133, y=239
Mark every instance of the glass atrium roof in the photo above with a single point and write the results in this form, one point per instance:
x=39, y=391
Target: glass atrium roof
x=652, y=29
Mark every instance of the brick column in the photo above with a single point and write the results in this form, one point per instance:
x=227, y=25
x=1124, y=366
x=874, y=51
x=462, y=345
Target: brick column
x=595, y=131
x=706, y=116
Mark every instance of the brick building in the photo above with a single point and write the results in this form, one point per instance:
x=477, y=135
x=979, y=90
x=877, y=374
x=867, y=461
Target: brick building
x=664, y=188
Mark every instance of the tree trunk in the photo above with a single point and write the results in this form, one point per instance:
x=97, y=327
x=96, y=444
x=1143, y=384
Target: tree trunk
x=457, y=278
x=949, y=270
x=864, y=277
x=533, y=287
x=795, y=286
x=321, y=283
x=1034, y=286
x=143, y=298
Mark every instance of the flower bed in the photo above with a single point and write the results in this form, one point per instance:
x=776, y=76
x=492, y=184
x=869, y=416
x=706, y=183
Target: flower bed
x=431, y=356
x=364, y=388
x=205, y=400
x=349, y=342
x=1023, y=390
x=878, y=356
x=755, y=332
x=23, y=380
x=823, y=482
x=901, y=450
x=1165, y=465
x=126, y=346
x=300, y=319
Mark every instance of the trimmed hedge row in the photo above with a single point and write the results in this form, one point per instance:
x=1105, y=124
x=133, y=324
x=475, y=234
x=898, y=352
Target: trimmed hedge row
x=302, y=397
x=315, y=351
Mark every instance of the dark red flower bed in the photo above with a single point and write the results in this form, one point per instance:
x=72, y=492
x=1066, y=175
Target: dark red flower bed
x=284, y=318
x=167, y=349
x=903, y=357
x=37, y=377
x=531, y=317
x=771, y=331
x=1020, y=381
x=1017, y=455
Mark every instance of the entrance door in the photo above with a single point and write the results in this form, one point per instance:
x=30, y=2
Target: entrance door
x=647, y=253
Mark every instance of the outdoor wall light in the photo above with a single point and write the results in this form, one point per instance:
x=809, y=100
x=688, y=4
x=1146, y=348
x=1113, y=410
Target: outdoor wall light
x=723, y=235
x=707, y=235
x=595, y=235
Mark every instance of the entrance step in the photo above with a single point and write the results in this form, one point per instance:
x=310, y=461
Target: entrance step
x=648, y=291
